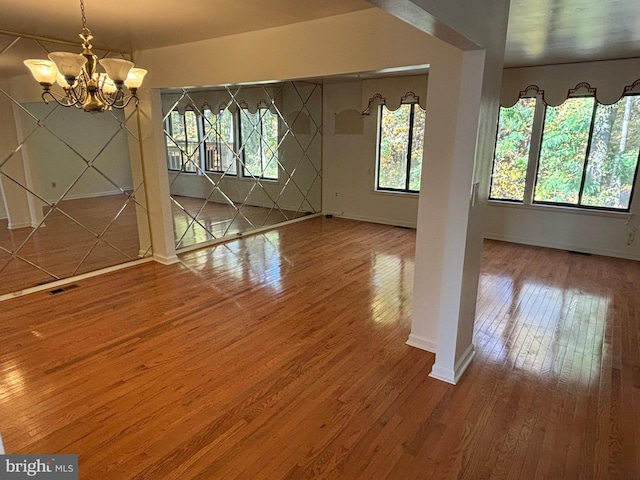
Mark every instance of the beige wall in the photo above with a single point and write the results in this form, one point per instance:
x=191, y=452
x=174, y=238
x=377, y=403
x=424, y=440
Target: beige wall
x=356, y=42
x=350, y=158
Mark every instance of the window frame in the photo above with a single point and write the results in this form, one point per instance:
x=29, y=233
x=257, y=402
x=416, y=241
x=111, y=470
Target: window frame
x=534, y=138
x=183, y=148
x=533, y=165
x=407, y=173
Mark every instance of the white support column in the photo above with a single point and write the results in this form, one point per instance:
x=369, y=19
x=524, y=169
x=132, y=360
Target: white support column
x=462, y=108
x=138, y=177
x=442, y=263
x=154, y=168
x=32, y=180
x=15, y=196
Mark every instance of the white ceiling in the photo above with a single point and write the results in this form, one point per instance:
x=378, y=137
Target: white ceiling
x=143, y=24
x=545, y=32
x=540, y=31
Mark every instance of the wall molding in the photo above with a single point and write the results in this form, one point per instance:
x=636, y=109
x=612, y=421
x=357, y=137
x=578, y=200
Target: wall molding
x=561, y=246
x=394, y=222
x=165, y=260
x=105, y=193
x=77, y=278
x=452, y=376
x=16, y=226
x=421, y=343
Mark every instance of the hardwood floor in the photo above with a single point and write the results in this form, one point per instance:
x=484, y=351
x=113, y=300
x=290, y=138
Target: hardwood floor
x=283, y=355
x=63, y=248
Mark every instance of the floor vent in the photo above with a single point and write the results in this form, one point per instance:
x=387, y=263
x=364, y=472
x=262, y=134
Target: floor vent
x=63, y=289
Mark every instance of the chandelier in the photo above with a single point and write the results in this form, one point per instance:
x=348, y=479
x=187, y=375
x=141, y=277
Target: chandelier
x=83, y=86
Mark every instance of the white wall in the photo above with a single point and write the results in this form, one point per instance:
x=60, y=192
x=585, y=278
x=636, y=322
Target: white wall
x=561, y=227
x=56, y=152
x=349, y=159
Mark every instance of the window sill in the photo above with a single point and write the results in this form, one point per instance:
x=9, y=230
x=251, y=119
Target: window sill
x=227, y=176
x=559, y=209
x=389, y=193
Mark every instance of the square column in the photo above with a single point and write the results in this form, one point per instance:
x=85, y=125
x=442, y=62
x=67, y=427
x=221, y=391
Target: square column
x=446, y=271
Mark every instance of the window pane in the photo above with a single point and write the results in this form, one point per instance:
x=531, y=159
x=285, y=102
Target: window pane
x=250, y=131
x=219, y=142
x=260, y=138
x=394, y=140
x=563, y=150
x=177, y=128
x=192, y=160
x=270, y=144
x=613, y=154
x=175, y=139
x=417, y=144
x=512, y=151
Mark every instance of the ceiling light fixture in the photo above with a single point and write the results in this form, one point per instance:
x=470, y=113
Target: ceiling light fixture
x=84, y=87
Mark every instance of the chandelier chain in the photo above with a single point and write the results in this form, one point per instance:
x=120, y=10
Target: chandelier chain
x=84, y=18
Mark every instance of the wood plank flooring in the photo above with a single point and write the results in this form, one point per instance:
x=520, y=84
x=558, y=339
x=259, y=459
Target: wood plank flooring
x=63, y=248
x=283, y=356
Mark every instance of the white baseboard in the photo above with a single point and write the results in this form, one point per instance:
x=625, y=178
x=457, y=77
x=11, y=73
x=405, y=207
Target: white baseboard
x=76, y=278
x=421, y=343
x=170, y=260
x=450, y=375
x=253, y=203
x=106, y=193
x=559, y=246
x=365, y=218
x=15, y=226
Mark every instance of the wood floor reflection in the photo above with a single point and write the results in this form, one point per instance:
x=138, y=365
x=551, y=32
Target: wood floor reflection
x=67, y=244
x=196, y=220
x=66, y=247
x=283, y=355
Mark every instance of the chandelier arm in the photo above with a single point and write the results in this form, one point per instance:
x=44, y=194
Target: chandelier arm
x=77, y=94
x=125, y=101
x=118, y=99
x=62, y=100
